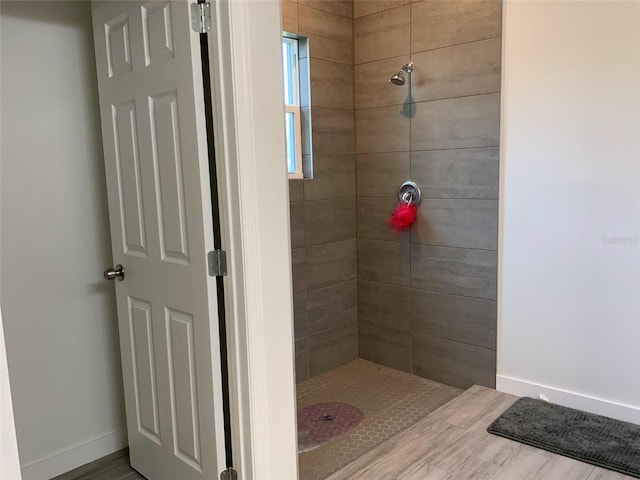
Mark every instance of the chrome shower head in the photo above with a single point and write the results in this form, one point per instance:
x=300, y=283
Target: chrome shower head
x=398, y=79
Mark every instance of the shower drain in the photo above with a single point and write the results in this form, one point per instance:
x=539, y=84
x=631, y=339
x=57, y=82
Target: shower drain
x=321, y=422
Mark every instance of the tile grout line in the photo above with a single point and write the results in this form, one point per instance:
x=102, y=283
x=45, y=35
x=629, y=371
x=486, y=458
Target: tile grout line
x=355, y=160
x=304, y=243
x=443, y=99
x=409, y=287
x=411, y=244
x=381, y=197
x=484, y=147
x=378, y=12
x=411, y=110
x=425, y=150
x=323, y=11
x=425, y=290
x=427, y=50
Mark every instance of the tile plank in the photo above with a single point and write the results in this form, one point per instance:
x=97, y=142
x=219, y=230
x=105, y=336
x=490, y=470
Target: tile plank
x=337, y=7
x=373, y=87
x=331, y=84
x=453, y=222
x=458, y=271
x=601, y=474
x=437, y=24
x=466, y=173
x=382, y=35
x=385, y=129
x=327, y=221
x=333, y=348
x=367, y=7
x=289, y=16
x=384, y=345
x=332, y=306
x=383, y=304
x=302, y=360
x=465, y=122
x=300, y=315
x=296, y=216
x=330, y=36
x=333, y=130
x=380, y=174
x=296, y=190
x=386, y=262
x=329, y=264
x=372, y=215
x=462, y=319
x=458, y=71
x=117, y=459
x=334, y=176
x=452, y=363
x=299, y=269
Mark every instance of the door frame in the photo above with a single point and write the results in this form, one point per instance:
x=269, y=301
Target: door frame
x=9, y=459
x=248, y=105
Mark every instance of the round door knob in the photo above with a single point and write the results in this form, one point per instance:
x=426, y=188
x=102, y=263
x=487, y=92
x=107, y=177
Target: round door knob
x=113, y=273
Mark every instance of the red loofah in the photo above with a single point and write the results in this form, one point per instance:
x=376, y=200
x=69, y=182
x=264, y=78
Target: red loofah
x=403, y=217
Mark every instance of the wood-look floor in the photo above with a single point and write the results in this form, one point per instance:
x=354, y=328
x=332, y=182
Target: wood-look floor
x=450, y=444
x=112, y=467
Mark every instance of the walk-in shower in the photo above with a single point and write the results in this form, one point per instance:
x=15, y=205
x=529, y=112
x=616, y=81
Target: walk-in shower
x=393, y=298
x=398, y=78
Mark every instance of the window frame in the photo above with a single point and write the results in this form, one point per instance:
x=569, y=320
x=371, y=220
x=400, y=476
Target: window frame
x=293, y=108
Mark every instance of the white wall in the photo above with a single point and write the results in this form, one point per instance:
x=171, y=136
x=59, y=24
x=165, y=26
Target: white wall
x=570, y=224
x=59, y=315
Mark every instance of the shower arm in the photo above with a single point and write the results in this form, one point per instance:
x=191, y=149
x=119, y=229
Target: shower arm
x=408, y=67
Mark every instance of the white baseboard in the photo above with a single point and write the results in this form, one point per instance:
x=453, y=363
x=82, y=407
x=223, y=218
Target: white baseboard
x=580, y=401
x=62, y=462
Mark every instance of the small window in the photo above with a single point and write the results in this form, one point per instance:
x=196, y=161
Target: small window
x=293, y=121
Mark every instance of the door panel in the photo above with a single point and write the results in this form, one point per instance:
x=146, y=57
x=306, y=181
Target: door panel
x=157, y=31
x=144, y=369
x=169, y=185
x=118, y=45
x=156, y=164
x=129, y=184
x=182, y=383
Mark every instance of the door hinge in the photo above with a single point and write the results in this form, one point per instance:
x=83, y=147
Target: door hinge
x=229, y=474
x=201, y=17
x=217, y=262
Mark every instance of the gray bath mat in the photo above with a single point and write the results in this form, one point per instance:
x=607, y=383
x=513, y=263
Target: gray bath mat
x=590, y=438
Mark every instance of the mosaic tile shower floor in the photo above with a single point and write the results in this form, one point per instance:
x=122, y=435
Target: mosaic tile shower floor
x=391, y=401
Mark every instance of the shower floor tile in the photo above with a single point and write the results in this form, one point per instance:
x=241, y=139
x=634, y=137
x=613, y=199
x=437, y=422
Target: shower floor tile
x=391, y=401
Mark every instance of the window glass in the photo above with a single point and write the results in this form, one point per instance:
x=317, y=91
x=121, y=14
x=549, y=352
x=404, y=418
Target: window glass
x=290, y=64
x=290, y=69
x=291, y=144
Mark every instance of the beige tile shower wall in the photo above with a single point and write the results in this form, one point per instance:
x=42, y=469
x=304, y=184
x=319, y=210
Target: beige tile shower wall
x=427, y=299
x=323, y=209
